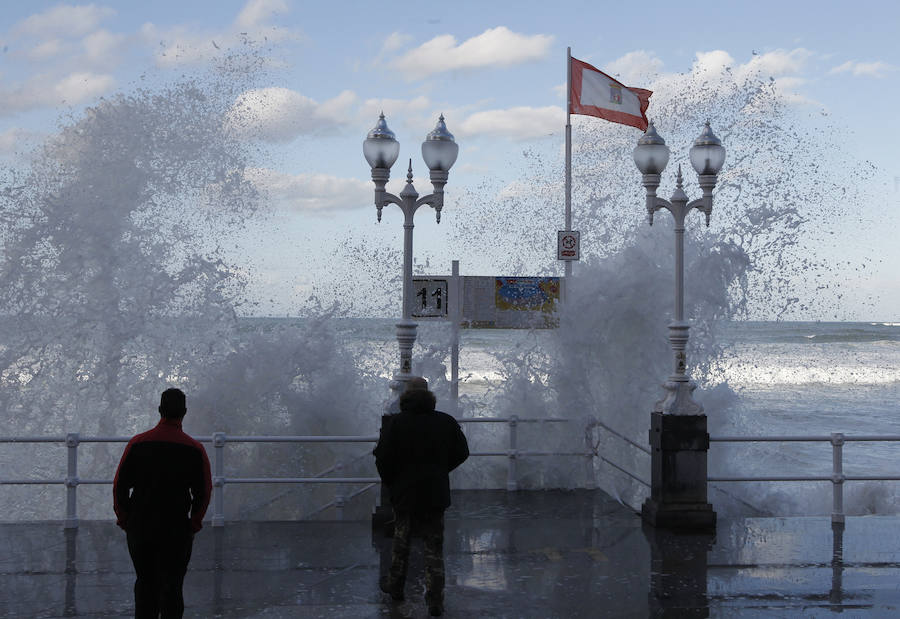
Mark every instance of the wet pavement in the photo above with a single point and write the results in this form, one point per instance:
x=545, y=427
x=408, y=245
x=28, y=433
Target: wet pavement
x=547, y=554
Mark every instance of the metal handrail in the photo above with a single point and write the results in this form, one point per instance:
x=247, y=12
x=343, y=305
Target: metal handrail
x=513, y=453
x=220, y=480
x=837, y=477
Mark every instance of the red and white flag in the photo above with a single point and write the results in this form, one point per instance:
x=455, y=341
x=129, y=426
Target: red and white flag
x=594, y=93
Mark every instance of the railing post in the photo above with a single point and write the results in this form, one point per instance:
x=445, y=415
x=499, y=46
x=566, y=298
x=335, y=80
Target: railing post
x=589, y=460
x=512, y=483
x=339, y=499
x=339, y=502
x=72, y=482
x=837, y=477
x=218, y=519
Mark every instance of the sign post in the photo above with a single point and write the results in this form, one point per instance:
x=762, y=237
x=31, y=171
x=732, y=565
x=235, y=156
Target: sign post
x=455, y=307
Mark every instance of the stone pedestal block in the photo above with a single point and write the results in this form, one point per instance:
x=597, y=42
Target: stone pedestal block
x=678, y=498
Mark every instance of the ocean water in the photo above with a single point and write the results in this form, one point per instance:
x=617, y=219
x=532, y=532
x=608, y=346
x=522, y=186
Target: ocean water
x=803, y=379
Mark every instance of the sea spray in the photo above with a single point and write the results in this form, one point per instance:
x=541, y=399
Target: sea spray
x=762, y=257
x=116, y=281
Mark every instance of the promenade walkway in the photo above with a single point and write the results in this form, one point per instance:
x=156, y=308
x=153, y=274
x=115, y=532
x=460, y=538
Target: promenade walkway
x=547, y=554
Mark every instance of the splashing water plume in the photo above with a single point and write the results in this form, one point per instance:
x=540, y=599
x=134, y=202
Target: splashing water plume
x=116, y=281
x=760, y=259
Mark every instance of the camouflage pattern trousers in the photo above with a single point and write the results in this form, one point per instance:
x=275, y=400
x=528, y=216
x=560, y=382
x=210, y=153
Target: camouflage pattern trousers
x=430, y=527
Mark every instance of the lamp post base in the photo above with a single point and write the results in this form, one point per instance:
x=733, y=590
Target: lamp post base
x=678, y=497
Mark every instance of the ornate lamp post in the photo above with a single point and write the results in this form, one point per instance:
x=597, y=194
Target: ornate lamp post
x=439, y=150
x=678, y=426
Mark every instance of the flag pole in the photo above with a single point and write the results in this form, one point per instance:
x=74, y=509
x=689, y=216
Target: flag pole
x=568, y=153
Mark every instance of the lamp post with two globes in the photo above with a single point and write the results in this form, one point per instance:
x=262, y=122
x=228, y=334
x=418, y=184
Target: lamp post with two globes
x=678, y=436
x=439, y=150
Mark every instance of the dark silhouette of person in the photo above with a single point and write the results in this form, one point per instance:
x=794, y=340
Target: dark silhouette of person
x=160, y=494
x=416, y=451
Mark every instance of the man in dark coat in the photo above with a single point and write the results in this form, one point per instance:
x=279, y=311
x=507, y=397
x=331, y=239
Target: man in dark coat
x=160, y=493
x=417, y=449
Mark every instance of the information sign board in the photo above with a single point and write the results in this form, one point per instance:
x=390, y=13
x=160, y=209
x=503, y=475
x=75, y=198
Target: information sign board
x=489, y=301
x=430, y=298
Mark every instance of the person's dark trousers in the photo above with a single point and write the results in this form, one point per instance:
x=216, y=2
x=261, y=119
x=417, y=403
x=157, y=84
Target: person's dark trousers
x=430, y=526
x=160, y=557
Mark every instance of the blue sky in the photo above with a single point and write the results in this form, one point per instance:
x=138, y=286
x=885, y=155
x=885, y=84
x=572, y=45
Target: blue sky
x=497, y=72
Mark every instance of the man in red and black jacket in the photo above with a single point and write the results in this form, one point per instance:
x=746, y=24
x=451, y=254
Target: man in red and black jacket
x=160, y=493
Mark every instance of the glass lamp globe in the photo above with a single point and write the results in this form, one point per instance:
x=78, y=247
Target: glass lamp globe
x=651, y=155
x=707, y=153
x=380, y=147
x=439, y=150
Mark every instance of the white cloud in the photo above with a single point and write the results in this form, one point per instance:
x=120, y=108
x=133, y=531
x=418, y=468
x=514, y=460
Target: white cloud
x=102, y=47
x=181, y=45
x=776, y=63
x=394, y=108
x=257, y=12
x=44, y=90
x=337, y=109
x=64, y=19
x=496, y=47
x=395, y=41
x=864, y=69
x=66, y=55
x=717, y=67
x=80, y=87
x=279, y=114
x=16, y=140
x=317, y=193
x=392, y=43
x=714, y=62
x=45, y=50
x=518, y=123
x=634, y=68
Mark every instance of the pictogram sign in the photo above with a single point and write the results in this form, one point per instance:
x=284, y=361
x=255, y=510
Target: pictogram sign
x=568, y=245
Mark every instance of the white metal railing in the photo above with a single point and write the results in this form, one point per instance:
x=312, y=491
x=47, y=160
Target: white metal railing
x=512, y=453
x=633, y=444
x=220, y=439
x=837, y=477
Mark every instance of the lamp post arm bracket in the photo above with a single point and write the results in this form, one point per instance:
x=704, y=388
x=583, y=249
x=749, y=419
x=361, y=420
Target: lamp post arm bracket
x=654, y=204
x=703, y=204
x=435, y=200
x=431, y=199
x=389, y=198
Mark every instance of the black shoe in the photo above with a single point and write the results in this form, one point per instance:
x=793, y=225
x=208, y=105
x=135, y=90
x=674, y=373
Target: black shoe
x=435, y=610
x=395, y=592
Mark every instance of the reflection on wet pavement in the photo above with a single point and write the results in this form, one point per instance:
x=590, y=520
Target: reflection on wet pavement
x=547, y=554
